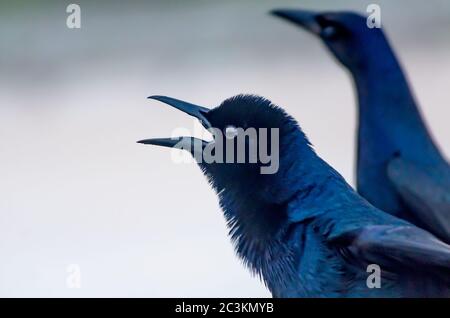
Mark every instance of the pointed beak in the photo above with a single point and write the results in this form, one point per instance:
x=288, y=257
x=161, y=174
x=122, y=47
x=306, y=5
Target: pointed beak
x=194, y=145
x=191, y=109
x=304, y=18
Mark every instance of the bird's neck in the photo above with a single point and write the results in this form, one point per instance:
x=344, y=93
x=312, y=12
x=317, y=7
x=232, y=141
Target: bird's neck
x=325, y=191
x=388, y=115
x=263, y=232
x=382, y=87
x=257, y=229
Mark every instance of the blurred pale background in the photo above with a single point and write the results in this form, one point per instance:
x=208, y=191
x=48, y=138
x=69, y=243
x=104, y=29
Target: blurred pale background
x=75, y=188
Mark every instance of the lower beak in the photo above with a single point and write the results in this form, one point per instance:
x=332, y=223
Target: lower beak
x=304, y=18
x=194, y=145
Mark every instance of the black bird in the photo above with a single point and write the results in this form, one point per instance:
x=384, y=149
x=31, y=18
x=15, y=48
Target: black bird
x=303, y=229
x=399, y=168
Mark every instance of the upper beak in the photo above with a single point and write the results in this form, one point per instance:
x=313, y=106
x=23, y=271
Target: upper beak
x=193, y=145
x=304, y=18
x=191, y=109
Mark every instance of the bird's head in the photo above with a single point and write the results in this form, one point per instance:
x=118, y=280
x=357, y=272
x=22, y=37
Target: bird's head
x=345, y=33
x=255, y=202
x=255, y=144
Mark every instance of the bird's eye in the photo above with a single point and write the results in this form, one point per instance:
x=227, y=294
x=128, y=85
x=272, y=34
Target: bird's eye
x=231, y=132
x=329, y=32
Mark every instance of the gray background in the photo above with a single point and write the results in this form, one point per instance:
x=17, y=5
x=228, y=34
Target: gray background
x=76, y=188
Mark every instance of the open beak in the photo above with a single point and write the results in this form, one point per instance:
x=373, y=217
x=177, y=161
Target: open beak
x=191, y=109
x=192, y=144
x=304, y=18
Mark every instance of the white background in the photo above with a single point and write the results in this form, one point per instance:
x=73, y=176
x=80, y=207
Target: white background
x=75, y=188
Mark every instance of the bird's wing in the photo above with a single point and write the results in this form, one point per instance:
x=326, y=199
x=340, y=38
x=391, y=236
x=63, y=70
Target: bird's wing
x=428, y=200
x=391, y=246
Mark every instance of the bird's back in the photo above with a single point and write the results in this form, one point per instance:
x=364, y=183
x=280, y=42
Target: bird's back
x=329, y=263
